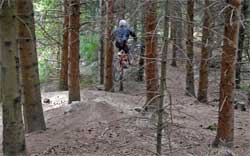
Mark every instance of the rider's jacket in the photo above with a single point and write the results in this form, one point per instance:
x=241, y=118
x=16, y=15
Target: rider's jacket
x=122, y=33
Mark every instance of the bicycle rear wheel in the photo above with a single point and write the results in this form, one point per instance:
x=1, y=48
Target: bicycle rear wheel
x=134, y=57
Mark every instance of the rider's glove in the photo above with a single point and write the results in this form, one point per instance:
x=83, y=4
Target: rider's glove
x=135, y=39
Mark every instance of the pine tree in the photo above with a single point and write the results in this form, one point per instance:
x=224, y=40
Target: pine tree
x=13, y=130
x=108, y=83
x=63, y=84
x=151, y=69
x=101, y=46
x=163, y=78
x=33, y=111
x=74, y=45
x=225, y=130
x=189, y=65
x=241, y=43
x=203, y=81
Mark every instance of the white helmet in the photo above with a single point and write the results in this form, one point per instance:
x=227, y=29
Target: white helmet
x=123, y=23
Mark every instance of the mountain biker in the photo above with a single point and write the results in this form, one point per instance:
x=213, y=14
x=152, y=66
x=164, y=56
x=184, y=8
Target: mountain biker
x=121, y=36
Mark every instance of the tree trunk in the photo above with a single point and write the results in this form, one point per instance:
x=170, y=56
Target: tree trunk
x=225, y=130
x=239, y=56
x=174, y=32
x=203, y=81
x=140, y=73
x=13, y=131
x=108, y=83
x=162, y=82
x=101, y=47
x=33, y=111
x=74, y=43
x=59, y=45
x=241, y=43
x=1, y=79
x=189, y=64
x=179, y=29
x=64, y=55
x=151, y=69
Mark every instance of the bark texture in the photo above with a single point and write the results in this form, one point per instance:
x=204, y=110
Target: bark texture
x=140, y=73
x=189, y=65
x=101, y=46
x=63, y=84
x=174, y=28
x=179, y=30
x=225, y=130
x=242, y=39
x=239, y=56
x=74, y=43
x=108, y=83
x=13, y=131
x=160, y=123
x=151, y=69
x=203, y=81
x=31, y=94
x=1, y=79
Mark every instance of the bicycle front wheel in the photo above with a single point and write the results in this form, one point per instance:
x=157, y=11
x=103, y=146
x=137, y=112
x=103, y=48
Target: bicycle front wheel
x=117, y=71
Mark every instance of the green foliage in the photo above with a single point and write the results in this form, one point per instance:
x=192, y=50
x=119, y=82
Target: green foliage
x=41, y=5
x=44, y=69
x=245, y=87
x=48, y=31
x=87, y=81
x=89, y=47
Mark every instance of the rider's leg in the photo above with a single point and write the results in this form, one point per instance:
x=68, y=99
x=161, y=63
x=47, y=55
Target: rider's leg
x=126, y=50
x=119, y=47
x=125, y=47
x=124, y=56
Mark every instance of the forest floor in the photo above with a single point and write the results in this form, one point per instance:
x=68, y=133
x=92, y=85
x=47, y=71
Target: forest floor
x=106, y=124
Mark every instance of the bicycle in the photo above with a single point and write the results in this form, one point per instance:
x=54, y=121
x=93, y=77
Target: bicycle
x=124, y=60
x=118, y=67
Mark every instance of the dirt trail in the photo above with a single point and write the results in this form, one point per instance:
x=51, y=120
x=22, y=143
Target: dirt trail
x=105, y=124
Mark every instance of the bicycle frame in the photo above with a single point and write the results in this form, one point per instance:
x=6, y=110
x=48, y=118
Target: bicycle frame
x=119, y=63
x=122, y=59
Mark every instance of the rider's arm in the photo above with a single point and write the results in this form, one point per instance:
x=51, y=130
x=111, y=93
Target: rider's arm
x=132, y=33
